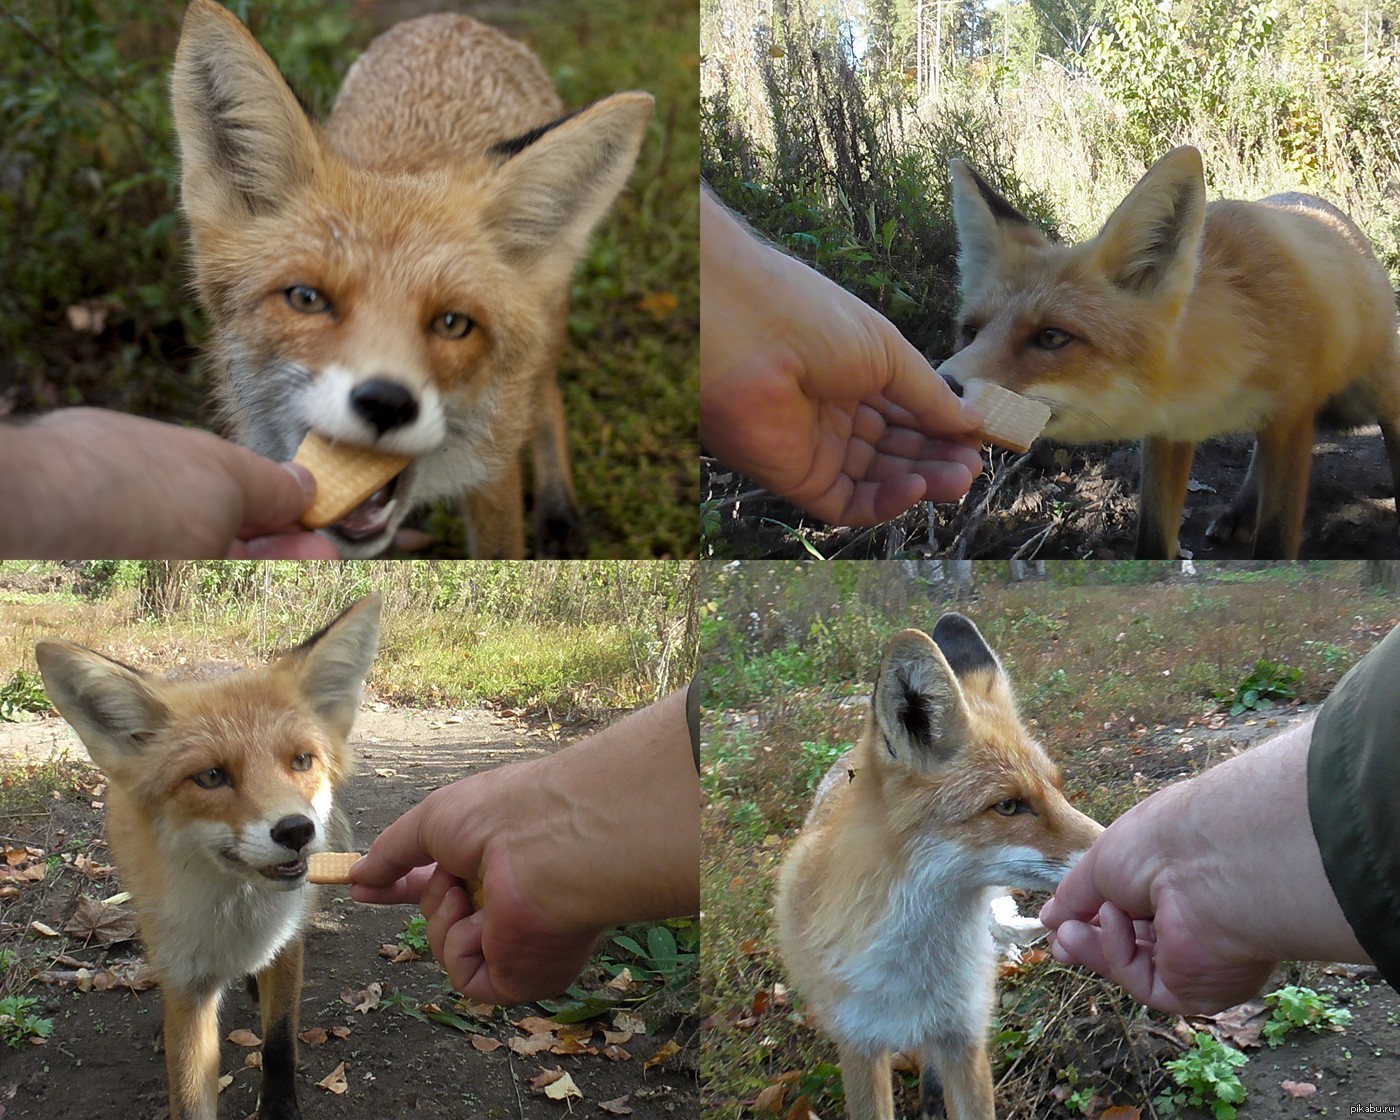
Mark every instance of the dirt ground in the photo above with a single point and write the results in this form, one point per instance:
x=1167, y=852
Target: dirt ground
x=1061, y=502
x=103, y=1046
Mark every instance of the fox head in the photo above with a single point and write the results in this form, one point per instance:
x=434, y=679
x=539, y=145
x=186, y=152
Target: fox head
x=238, y=772
x=408, y=308
x=956, y=767
x=1085, y=328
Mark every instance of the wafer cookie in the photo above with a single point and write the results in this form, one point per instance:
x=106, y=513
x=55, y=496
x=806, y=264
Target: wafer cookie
x=330, y=867
x=345, y=476
x=1008, y=419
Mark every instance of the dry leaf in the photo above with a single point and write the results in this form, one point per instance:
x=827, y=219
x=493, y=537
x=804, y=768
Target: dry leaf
x=477, y=1010
x=658, y=304
x=801, y=1110
x=314, y=1036
x=534, y=1024
x=362, y=1001
x=225, y=1081
x=629, y=1021
x=771, y=1099
x=484, y=1044
x=101, y=922
x=244, y=1037
x=43, y=930
x=252, y=1060
x=563, y=1089
x=340, y=1032
x=1296, y=1089
x=616, y=1054
x=1121, y=1112
x=616, y=1038
x=617, y=1107
x=545, y=1077
x=622, y=982
x=571, y=1044
x=529, y=1047
x=663, y=1052
x=334, y=1082
x=1241, y=1026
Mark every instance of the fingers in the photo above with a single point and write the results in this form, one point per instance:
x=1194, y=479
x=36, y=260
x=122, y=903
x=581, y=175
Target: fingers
x=298, y=545
x=395, y=851
x=408, y=888
x=1120, y=949
x=274, y=494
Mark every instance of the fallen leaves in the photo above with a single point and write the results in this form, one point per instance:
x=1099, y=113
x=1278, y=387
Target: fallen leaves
x=102, y=923
x=335, y=1082
x=1297, y=1089
x=365, y=1000
x=244, y=1037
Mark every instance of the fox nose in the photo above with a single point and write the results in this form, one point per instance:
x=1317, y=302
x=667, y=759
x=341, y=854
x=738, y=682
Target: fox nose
x=294, y=832
x=952, y=383
x=385, y=404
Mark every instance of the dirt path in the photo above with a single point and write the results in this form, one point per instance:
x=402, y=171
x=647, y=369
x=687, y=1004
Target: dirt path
x=103, y=1045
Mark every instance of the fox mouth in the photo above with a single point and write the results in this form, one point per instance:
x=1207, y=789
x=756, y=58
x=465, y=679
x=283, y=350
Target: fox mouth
x=372, y=517
x=284, y=872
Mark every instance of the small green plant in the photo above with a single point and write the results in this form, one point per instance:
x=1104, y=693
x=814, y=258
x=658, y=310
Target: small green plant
x=18, y=1024
x=817, y=758
x=1206, y=1078
x=1301, y=1007
x=1264, y=685
x=414, y=936
x=23, y=692
x=8, y=959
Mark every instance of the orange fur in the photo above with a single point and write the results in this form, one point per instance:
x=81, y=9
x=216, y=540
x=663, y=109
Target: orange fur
x=1182, y=321
x=882, y=903
x=218, y=788
x=435, y=221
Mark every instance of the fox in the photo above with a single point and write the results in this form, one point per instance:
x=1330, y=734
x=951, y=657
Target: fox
x=1181, y=321
x=884, y=903
x=397, y=278
x=219, y=787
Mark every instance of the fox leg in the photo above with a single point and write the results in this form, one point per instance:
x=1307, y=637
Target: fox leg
x=495, y=518
x=930, y=1091
x=1283, y=459
x=1166, y=469
x=192, y=1053
x=279, y=998
x=967, y=1078
x=1237, y=522
x=558, y=533
x=866, y=1079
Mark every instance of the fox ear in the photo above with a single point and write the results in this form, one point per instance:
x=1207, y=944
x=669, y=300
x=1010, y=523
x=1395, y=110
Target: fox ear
x=986, y=223
x=334, y=662
x=977, y=668
x=559, y=180
x=1149, y=246
x=246, y=143
x=918, y=706
x=112, y=707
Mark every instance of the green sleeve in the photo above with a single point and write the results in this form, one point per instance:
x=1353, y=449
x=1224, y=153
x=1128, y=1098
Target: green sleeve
x=1353, y=785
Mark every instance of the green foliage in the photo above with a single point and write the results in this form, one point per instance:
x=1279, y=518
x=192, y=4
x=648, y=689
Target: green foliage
x=662, y=958
x=1294, y=1007
x=1262, y=686
x=817, y=759
x=414, y=936
x=22, y=693
x=18, y=1023
x=1207, y=1077
x=88, y=176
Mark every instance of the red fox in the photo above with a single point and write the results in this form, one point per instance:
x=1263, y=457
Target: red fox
x=399, y=278
x=1181, y=321
x=883, y=903
x=218, y=791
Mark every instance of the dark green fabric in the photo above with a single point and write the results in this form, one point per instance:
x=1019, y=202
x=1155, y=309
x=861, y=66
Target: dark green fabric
x=692, y=718
x=1353, y=795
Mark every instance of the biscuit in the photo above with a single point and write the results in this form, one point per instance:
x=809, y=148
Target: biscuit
x=345, y=476
x=330, y=867
x=1008, y=419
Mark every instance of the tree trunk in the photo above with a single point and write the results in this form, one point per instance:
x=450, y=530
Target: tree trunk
x=1384, y=574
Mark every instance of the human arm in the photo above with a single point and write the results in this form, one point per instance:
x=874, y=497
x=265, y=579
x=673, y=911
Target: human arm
x=88, y=483
x=600, y=833
x=1190, y=898
x=815, y=395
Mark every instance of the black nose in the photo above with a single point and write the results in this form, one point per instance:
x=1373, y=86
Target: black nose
x=952, y=383
x=385, y=404
x=294, y=832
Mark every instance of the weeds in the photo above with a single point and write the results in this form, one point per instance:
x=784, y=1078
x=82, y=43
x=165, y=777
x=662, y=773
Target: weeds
x=1207, y=1077
x=1294, y=1007
x=1265, y=685
x=18, y=1023
x=22, y=695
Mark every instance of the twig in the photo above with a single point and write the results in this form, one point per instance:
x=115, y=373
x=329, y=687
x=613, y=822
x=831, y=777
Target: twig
x=1032, y=546
x=958, y=550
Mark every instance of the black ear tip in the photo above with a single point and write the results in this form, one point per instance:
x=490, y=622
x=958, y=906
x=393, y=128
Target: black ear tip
x=963, y=645
x=952, y=625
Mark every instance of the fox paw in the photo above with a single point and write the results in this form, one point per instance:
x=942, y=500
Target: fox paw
x=559, y=535
x=1235, y=525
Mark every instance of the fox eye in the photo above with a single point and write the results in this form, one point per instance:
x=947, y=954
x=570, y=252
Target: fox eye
x=302, y=762
x=452, y=324
x=212, y=778
x=303, y=297
x=969, y=334
x=1052, y=338
x=1010, y=807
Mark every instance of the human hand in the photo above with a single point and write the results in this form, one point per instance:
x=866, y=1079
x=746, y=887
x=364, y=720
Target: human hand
x=104, y=484
x=814, y=394
x=515, y=949
x=1190, y=898
x=556, y=844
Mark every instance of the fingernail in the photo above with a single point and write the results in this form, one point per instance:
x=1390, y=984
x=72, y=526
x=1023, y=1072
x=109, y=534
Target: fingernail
x=971, y=414
x=305, y=479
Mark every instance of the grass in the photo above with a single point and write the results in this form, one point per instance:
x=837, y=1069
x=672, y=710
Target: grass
x=576, y=637
x=1119, y=682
